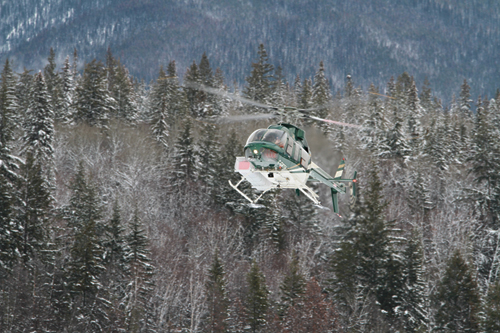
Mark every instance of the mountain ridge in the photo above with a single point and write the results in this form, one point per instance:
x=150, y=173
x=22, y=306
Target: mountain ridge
x=441, y=40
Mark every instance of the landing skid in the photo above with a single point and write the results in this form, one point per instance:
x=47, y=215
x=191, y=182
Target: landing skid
x=307, y=191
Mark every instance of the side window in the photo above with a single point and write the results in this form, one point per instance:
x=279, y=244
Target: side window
x=305, y=158
x=296, y=152
x=289, y=147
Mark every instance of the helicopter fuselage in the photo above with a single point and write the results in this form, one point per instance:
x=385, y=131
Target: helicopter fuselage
x=279, y=157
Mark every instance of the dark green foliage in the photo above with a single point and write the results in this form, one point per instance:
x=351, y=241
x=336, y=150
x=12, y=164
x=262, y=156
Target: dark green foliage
x=218, y=303
x=293, y=286
x=305, y=97
x=84, y=214
x=121, y=89
x=413, y=310
x=93, y=103
x=366, y=264
x=138, y=299
x=259, y=81
x=34, y=212
x=23, y=91
x=465, y=102
x=184, y=159
x=9, y=232
x=256, y=302
x=457, y=298
x=8, y=105
x=321, y=92
x=39, y=125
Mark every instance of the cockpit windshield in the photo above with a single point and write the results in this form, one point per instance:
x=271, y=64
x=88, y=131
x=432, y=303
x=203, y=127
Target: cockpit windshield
x=274, y=136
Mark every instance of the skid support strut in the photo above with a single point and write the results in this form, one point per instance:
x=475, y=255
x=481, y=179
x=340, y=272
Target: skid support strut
x=243, y=194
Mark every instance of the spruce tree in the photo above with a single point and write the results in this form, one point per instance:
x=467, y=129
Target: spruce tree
x=93, y=102
x=218, y=303
x=413, y=309
x=195, y=97
x=121, y=89
x=366, y=263
x=8, y=106
x=23, y=94
x=138, y=299
x=34, y=213
x=465, y=101
x=184, y=159
x=53, y=81
x=39, y=126
x=115, y=276
x=293, y=285
x=260, y=79
x=66, y=109
x=321, y=94
x=457, y=298
x=84, y=218
x=256, y=302
x=305, y=99
x=9, y=233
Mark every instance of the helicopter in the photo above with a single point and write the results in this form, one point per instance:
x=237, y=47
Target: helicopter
x=279, y=157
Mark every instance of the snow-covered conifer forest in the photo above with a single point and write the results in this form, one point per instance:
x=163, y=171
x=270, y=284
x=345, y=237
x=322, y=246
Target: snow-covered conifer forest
x=116, y=214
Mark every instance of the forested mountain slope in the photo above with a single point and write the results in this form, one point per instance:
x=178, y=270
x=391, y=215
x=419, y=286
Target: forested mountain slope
x=116, y=214
x=445, y=41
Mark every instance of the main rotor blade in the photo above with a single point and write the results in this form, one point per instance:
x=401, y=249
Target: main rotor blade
x=226, y=94
x=245, y=117
x=334, y=122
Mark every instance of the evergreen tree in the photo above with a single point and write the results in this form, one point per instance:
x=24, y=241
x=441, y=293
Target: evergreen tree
x=66, y=109
x=297, y=89
x=34, y=212
x=465, y=101
x=39, y=126
x=218, y=303
x=305, y=99
x=184, y=159
x=115, y=276
x=8, y=106
x=413, y=309
x=426, y=96
x=208, y=154
x=414, y=115
x=84, y=214
x=256, y=302
x=321, y=94
x=485, y=168
x=457, y=298
x=293, y=285
x=195, y=97
x=9, y=233
x=23, y=94
x=53, y=81
x=93, y=102
x=366, y=263
x=139, y=314
x=376, y=125
x=124, y=94
x=260, y=79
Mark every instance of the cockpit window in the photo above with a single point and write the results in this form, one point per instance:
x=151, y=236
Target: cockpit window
x=274, y=136
x=257, y=135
